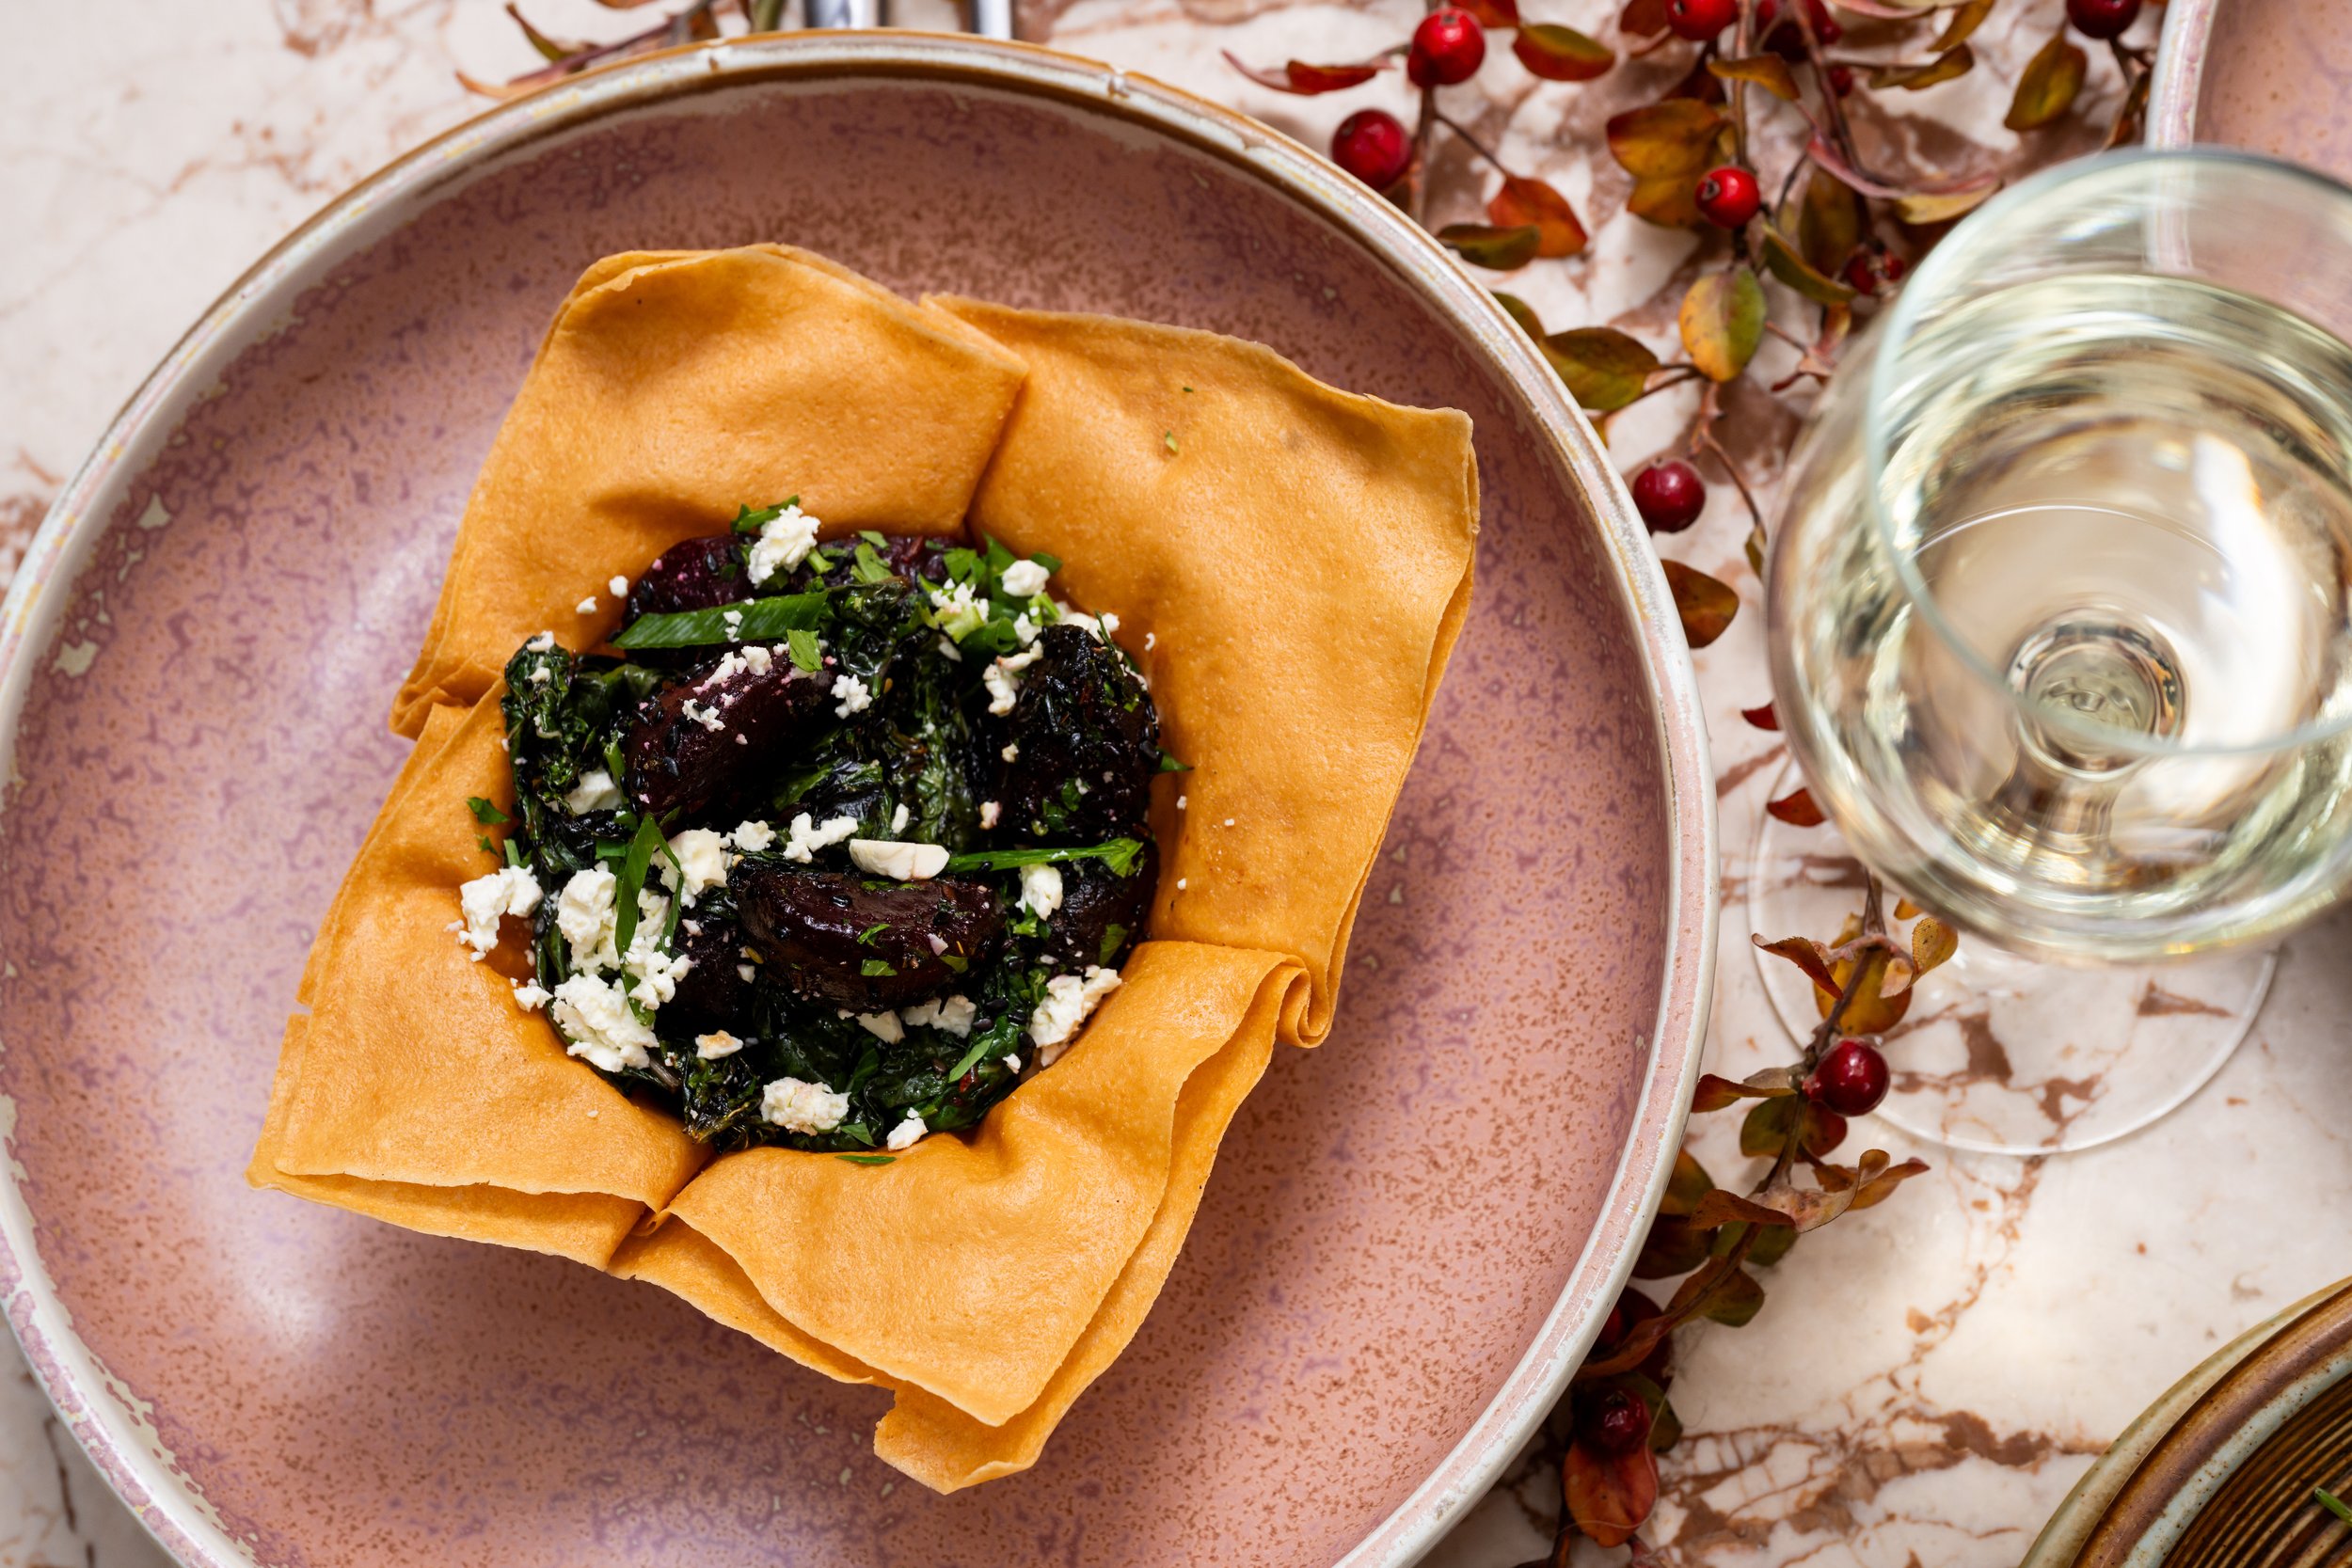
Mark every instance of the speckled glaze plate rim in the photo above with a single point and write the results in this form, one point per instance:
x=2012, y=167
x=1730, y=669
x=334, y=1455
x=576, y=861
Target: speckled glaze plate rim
x=104, y=1417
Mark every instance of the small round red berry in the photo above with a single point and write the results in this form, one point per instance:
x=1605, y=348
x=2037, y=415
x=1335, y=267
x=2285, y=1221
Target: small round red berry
x=1669, y=496
x=1728, y=197
x=2102, y=19
x=1373, y=146
x=1615, y=1421
x=1700, y=19
x=1851, y=1080
x=1868, y=272
x=1448, y=47
x=1842, y=79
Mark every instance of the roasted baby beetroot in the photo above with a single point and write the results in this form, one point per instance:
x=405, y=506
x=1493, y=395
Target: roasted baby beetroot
x=693, y=574
x=1085, y=743
x=713, y=993
x=693, y=743
x=847, y=941
x=1101, y=911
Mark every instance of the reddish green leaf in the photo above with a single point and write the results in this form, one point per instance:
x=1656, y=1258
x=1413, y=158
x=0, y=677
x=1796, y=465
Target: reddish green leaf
x=1726, y=1207
x=1875, y=1009
x=1806, y=954
x=1826, y=218
x=1672, y=137
x=2046, y=89
x=1299, y=77
x=1521, y=312
x=1672, y=1247
x=1770, y=1126
x=1665, y=1427
x=1707, y=605
x=1768, y=72
x=1876, y=1189
x=1493, y=13
x=1781, y=259
x=1642, y=19
x=1559, y=53
x=1763, y=717
x=1922, y=208
x=1732, y=1301
x=550, y=49
x=1689, y=1183
x=1609, y=1496
x=1797, y=809
x=1713, y=1093
x=1963, y=21
x=1771, y=1246
x=1944, y=68
x=1722, y=323
x=1523, y=201
x=1483, y=245
x=1604, y=369
x=1670, y=200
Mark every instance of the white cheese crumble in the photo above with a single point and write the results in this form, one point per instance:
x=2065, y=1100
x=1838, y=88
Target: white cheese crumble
x=1003, y=679
x=702, y=855
x=733, y=621
x=1022, y=579
x=707, y=717
x=1024, y=629
x=541, y=677
x=1069, y=1000
x=752, y=837
x=906, y=1135
x=955, y=1015
x=807, y=837
x=618, y=587
x=658, y=971
x=884, y=1027
x=950, y=651
x=597, y=1017
x=509, y=889
x=785, y=541
x=799, y=1107
x=583, y=913
x=852, y=696
x=716, y=1044
x=1012, y=1063
x=586, y=606
x=1012, y=752
x=1148, y=638
x=1040, y=890
x=898, y=818
x=990, y=812
x=531, y=996
x=595, y=791
x=542, y=643
x=957, y=612
x=904, y=862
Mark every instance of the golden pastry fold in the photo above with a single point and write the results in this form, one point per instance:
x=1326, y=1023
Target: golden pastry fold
x=1289, y=563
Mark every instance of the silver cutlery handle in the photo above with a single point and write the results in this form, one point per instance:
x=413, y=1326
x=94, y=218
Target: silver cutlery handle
x=845, y=13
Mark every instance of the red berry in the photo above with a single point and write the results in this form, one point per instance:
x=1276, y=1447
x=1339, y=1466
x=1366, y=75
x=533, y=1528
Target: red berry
x=1842, y=79
x=1861, y=272
x=1893, y=268
x=1448, y=47
x=1728, y=197
x=1700, y=19
x=1612, y=1421
x=2102, y=19
x=1851, y=1080
x=1373, y=146
x=1669, y=496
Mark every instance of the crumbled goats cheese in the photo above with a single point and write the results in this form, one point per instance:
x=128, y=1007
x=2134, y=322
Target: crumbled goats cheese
x=752, y=837
x=530, y=997
x=852, y=696
x=906, y=1135
x=898, y=817
x=1003, y=679
x=542, y=643
x=1069, y=1000
x=735, y=662
x=583, y=913
x=618, y=587
x=990, y=812
x=949, y=651
x=716, y=1044
x=1040, y=890
x=806, y=837
x=595, y=791
x=1012, y=752
x=595, y=1017
x=656, y=971
x=702, y=855
x=1024, y=629
x=956, y=611
x=709, y=717
x=905, y=863
x=800, y=1107
x=1012, y=1063
x=785, y=541
x=955, y=1015
x=1022, y=579
x=586, y=606
x=509, y=889
x=884, y=1027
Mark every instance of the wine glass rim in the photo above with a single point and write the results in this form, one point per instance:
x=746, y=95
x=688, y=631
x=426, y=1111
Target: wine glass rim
x=1941, y=268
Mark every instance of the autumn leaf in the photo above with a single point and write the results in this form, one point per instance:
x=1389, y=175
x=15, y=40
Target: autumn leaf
x=1610, y=1496
x=1876, y=1189
x=1931, y=942
x=1604, y=369
x=1871, y=1010
x=1782, y=259
x=1642, y=19
x=1727, y=1207
x=1672, y=137
x=1797, y=808
x=1732, y=1301
x=1493, y=13
x=1670, y=200
x=1922, y=208
x=1689, y=1183
x=1671, y=1248
x=1768, y=72
x=1523, y=201
x=1944, y=68
x=1297, y=77
x=1722, y=323
x=1825, y=219
x=1482, y=246
x=1559, y=53
x=1805, y=954
x=1713, y=1093
x=1521, y=312
x=1963, y=21
x=1707, y=605
x=2046, y=89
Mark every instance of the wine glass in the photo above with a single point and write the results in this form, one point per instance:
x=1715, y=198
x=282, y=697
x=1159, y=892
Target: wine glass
x=2059, y=627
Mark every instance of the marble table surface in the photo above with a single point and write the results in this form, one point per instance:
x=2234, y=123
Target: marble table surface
x=1926, y=1379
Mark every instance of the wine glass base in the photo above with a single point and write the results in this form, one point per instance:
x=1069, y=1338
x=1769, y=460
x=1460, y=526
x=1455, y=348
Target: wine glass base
x=2000, y=1054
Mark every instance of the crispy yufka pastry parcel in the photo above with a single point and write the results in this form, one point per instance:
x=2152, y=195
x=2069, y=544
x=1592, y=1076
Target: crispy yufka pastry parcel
x=886, y=776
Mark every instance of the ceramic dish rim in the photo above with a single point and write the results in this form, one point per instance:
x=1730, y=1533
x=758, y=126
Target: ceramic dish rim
x=102, y=1415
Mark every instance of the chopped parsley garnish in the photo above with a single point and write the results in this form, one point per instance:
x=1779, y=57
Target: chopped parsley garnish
x=803, y=644
x=485, y=813
x=875, y=968
x=870, y=1158
x=1169, y=765
x=2332, y=1503
x=751, y=621
x=1119, y=854
x=751, y=520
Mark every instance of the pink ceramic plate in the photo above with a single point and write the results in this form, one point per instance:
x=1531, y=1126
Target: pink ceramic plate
x=1412, y=1233
x=2264, y=74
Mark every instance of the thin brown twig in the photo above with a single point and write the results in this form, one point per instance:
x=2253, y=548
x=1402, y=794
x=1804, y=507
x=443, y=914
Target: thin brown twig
x=1476, y=145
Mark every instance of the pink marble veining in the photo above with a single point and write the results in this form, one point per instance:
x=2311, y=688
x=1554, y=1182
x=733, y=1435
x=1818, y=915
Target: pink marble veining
x=1396, y=1218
